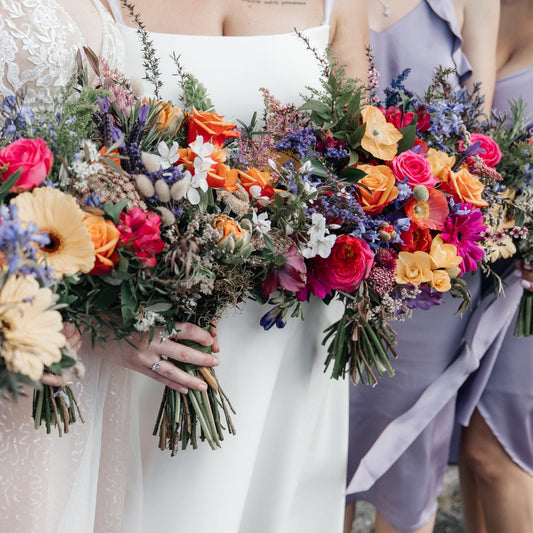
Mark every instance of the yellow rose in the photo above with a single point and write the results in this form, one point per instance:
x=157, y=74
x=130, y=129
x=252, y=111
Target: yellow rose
x=444, y=255
x=441, y=281
x=439, y=160
x=413, y=268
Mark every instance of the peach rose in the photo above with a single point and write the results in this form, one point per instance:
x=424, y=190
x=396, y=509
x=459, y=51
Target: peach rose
x=413, y=268
x=463, y=186
x=211, y=127
x=105, y=237
x=381, y=185
x=441, y=281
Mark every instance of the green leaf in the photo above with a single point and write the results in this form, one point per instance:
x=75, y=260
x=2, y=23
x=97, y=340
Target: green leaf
x=408, y=139
x=6, y=187
x=352, y=174
x=113, y=210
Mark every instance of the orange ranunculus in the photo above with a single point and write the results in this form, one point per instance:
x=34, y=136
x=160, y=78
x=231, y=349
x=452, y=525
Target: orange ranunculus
x=169, y=118
x=444, y=255
x=211, y=127
x=262, y=180
x=439, y=160
x=228, y=227
x=431, y=213
x=441, y=281
x=413, y=268
x=381, y=137
x=381, y=185
x=463, y=186
x=105, y=237
x=416, y=238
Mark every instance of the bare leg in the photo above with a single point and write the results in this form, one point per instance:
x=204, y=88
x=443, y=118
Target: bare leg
x=349, y=515
x=382, y=526
x=505, y=490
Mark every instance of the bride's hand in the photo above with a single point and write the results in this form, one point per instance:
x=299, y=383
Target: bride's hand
x=73, y=337
x=149, y=359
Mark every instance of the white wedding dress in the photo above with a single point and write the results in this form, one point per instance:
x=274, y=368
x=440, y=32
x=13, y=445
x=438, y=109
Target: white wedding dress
x=284, y=471
x=49, y=484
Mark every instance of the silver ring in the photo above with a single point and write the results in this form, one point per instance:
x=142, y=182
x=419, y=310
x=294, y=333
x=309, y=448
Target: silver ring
x=156, y=365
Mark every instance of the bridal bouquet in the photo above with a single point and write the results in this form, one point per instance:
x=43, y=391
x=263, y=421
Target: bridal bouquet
x=511, y=221
x=43, y=241
x=384, y=205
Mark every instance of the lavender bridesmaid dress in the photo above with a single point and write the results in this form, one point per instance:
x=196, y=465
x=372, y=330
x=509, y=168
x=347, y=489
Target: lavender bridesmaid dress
x=400, y=430
x=501, y=388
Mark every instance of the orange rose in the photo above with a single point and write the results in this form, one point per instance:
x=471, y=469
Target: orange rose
x=382, y=190
x=105, y=236
x=169, y=117
x=463, y=186
x=211, y=127
x=254, y=177
x=413, y=268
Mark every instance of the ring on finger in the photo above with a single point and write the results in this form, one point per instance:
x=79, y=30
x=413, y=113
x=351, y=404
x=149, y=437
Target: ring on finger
x=156, y=365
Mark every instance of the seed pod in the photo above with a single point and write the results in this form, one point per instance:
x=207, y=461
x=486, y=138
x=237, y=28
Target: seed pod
x=421, y=193
x=144, y=186
x=167, y=216
x=162, y=190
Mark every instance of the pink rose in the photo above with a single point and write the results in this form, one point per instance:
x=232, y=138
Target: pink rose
x=142, y=231
x=489, y=150
x=32, y=157
x=415, y=168
x=348, y=264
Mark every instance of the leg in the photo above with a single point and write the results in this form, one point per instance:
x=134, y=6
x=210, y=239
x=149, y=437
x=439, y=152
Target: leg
x=349, y=515
x=382, y=526
x=505, y=490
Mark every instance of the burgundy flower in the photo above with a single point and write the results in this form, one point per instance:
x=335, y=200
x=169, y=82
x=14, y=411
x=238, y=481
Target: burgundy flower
x=290, y=276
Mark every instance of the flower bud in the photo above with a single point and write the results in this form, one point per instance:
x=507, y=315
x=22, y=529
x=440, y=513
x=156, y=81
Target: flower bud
x=385, y=236
x=421, y=193
x=167, y=216
x=179, y=188
x=152, y=162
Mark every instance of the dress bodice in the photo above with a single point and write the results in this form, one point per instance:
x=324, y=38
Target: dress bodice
x=428, y=36
x=234, y=68
x=511, y=87
x=37, y=43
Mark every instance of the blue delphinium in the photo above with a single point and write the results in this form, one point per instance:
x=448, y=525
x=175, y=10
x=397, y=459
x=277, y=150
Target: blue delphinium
x=300, y=142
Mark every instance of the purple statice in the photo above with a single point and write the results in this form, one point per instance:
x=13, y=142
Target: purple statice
x=464, y=231
x=301, y=142
x=425, y=299
x=19, y=245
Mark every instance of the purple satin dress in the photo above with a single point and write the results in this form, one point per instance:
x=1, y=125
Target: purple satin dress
x=400, y=430
x=501, y=389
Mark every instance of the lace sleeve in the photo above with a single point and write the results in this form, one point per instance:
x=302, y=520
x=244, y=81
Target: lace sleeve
x=37, y=38
x=37, y=43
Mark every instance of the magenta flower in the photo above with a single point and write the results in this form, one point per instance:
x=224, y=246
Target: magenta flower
x=465, y=231
x=290, y=276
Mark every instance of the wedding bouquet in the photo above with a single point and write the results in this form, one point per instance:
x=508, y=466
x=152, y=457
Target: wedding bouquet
x=511, y=221
x=43, y=242
x=387, y=209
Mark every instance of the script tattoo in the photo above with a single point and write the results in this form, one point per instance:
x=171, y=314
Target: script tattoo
x=276, y=2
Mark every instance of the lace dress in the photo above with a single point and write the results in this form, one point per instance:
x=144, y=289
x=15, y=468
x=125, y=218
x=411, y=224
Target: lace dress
x=48, y=484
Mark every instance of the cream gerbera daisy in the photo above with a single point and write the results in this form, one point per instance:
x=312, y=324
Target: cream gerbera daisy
x=71, y=249
x=30, y=332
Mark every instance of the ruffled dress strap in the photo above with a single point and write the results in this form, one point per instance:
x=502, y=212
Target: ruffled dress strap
x=114, y=5
x=445, y=11
x=113, y=47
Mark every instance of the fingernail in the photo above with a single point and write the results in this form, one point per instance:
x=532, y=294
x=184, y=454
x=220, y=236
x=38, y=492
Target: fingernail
x=203, y=387
x=216, y=361
x=517, y=273
x=527, y=266
x=525, y=284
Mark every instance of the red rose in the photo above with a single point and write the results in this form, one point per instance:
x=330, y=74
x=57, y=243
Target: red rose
x=142, y=231
x=32, y=157
x=348, y=264
x=490, y=151
x=415, y=168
